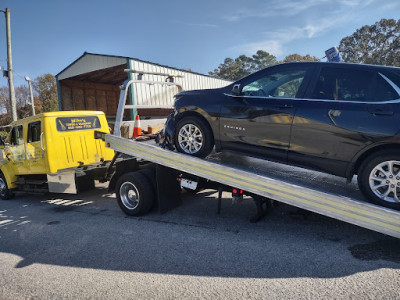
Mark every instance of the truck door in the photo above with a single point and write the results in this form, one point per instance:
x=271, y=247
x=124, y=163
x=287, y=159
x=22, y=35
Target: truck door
x=15, y=152
x=35, y=154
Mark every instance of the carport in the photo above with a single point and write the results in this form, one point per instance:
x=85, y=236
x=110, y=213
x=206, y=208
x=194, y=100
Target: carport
x=92, y=82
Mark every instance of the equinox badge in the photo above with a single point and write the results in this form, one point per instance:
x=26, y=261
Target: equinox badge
x=234, y=127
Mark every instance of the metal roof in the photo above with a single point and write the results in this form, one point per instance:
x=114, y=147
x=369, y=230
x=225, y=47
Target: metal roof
x=127, y=58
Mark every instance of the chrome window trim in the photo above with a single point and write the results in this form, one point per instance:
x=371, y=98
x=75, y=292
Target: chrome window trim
x=322, y=100
x=392, y=84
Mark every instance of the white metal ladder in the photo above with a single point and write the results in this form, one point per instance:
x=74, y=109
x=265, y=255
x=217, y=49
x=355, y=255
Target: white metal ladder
x=169, y=81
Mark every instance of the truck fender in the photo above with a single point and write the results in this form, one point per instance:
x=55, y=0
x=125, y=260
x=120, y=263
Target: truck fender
x=8, y=175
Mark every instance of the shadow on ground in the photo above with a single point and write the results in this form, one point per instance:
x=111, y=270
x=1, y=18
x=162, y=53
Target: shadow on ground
x=92, y=232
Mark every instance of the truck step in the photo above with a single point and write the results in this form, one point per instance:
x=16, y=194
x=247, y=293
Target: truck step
x=24, y=188
x=30, y=181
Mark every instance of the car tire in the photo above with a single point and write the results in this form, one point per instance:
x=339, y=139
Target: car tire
x=379, y=178
x=135, y=194
x=193, y=136
x=5, y=192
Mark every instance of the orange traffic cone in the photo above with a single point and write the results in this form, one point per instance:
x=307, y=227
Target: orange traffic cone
x=137, y=130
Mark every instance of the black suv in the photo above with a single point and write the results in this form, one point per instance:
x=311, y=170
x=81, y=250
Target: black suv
x=338, y=118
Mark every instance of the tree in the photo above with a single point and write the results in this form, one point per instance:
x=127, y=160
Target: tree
x=22, y=98
x=46, y=88
x=261, y=60
x=376, y=44
x=233, y=69
x=298, y=57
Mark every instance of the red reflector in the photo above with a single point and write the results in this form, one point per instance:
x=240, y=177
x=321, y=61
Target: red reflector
x=241, y=191
x=234, y=191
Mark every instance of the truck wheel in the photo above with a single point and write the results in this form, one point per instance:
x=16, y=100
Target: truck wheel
x=5, y=192
x=193, y=136
x=135, y=195
x=379, y=179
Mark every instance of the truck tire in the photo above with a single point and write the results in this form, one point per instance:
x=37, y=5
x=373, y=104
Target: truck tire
x=150, y=174
x=135, y=194
x=379, y=178
x=5, y=192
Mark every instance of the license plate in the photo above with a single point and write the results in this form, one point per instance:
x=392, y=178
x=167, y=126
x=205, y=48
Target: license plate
x=188, y=184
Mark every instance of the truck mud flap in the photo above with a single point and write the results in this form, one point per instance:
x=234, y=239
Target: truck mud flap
x=168, y=189
x=63, y=182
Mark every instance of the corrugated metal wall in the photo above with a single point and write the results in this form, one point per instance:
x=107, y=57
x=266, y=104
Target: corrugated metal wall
x=88, y=84
x=158, y=95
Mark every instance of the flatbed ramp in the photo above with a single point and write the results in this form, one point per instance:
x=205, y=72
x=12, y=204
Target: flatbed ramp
x=363, y=214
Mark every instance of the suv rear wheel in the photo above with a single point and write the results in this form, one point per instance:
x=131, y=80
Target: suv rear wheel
x=194, y=137
x=379, y=178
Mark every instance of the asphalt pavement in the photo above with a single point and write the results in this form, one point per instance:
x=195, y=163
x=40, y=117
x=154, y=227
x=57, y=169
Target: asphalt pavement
x=84, y=247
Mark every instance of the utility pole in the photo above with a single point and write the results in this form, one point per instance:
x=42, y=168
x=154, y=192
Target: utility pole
x=13, y=106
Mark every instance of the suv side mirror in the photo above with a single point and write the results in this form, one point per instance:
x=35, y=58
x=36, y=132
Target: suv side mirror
x=236, y=90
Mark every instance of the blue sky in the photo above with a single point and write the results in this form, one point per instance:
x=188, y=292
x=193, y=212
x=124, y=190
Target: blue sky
x=47, y=35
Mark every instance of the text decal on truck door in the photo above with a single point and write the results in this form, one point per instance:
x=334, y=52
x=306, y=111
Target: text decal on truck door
x=77, y=123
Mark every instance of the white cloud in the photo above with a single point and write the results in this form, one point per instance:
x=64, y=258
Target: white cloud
x=274, y=42
x=353, y=3
x=391, y=5
x=203, y=25
x=274, y=8
x=271, y=46
x=289, y=8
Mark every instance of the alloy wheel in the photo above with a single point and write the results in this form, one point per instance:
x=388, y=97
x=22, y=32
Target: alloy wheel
x=384, y=181
x=190, y=138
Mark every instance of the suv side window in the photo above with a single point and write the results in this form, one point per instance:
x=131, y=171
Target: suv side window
x=383, y=90
x=16, y=136
x=335, y=83
x=278, y=84
x=34, y=131
x=394, y=76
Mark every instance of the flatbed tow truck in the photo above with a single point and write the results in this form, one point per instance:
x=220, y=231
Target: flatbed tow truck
x=151, y=175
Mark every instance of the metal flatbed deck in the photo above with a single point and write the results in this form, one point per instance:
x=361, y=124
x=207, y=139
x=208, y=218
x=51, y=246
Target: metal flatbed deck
x=353, y=211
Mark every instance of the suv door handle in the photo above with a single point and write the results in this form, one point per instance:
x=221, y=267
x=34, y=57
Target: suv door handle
x=379, y=112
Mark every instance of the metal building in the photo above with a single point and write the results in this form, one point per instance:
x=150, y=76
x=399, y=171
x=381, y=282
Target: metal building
x=92, y=82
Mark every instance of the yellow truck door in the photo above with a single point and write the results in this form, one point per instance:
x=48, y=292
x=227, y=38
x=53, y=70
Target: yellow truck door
x=35, y=152
x=15, y=152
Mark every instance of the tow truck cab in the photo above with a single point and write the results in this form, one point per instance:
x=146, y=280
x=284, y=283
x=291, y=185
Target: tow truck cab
x=55, y=152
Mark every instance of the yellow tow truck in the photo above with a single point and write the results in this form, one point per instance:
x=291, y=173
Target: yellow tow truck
x=54, y=152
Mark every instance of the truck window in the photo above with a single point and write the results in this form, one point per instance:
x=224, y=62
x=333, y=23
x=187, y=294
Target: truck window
x=16, y=136
x=34, y=131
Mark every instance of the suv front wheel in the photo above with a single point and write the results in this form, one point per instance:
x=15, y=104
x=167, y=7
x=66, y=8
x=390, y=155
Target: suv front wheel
x=193, y=136
x=379, y=178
